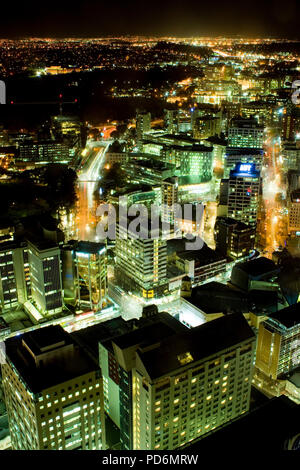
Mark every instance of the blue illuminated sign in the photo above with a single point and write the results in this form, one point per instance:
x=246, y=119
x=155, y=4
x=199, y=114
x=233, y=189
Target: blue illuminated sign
x=245, y=169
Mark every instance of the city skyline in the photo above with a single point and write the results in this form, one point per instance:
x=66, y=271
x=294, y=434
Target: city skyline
x=150, y=230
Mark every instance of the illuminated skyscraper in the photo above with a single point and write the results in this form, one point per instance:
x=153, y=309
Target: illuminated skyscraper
x=186, y=385
x=143, y=125
x=196, y=161
x=244, y=187
x=53, y=393
x=278, y=344
x=294, y=214
x=90, y=264
x=171, y=117
x=245, y=133
x=45, y=277
x=169, y=197
x=14, y=270
x=141, y=262
x=117, y=366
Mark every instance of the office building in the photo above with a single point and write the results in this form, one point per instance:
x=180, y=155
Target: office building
x=246, y=133
x=143, y=125
x=234, y=239
x=207, y=126
x=90, y=273
x=244, y=187
x=188, y=385
x=171, y=117
x=201, y=265
x=141, y=263
x=41, y=152
x=14, y=270
x=196, y=160
x=169, y=197
x=294, y=214
x=291, y=155
x=45, y=276
x=278, y=344
x=53, y=393
x=291, y=123
x=117, y=366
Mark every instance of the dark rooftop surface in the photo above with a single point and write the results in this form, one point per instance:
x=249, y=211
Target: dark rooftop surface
x=203, y=256
x=243, y=151
x=257, y=267
x=3, y=324
x=200, y=342
x=60, y=370
x=89, y=338
x=238, y=225
x=152, y=163
x=42, y=245
x=150, y=334
x=214, y=297
x=193, y=148
x=217, y=140
x=289, y=316
x=42, y=339
x=245, y=122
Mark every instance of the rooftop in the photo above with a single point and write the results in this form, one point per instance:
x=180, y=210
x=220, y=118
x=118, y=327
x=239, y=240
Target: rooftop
x=60, y=369
x=164, y=326
x=289, y=316
x=196, y=343
x=257, y=267
x=243, y=151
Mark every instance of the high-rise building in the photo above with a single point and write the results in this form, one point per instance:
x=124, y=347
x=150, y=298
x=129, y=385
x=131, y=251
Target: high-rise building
x=45, y=276
x=171, y=117
x=41, y=152
x=196, y=160
x=246, y=133
x=244, y=188
x=278, y=344
x=291, y=123
x=90, y=265
x=53, y=393
x=117, y=366
x=233, y=238
x=169, y=197
x=143, y=125
x=141, y=262
x=291, y=155
x=14, y=281
x=187, y=385
x=294, y=213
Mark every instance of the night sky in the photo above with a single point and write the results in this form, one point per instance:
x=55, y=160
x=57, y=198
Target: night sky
x=145, y=17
